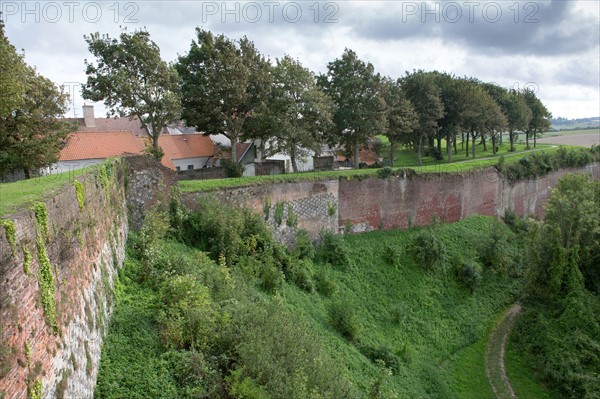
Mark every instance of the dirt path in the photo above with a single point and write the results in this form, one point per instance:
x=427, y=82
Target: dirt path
x=494, y=355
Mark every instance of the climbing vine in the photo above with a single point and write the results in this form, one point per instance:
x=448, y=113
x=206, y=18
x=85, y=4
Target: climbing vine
x=36, y=390
x=80, y=193
x=26, y=261
x=292, y=218
x=41, y=217
x=11, y=233
x=278, y=214
x=47, y=287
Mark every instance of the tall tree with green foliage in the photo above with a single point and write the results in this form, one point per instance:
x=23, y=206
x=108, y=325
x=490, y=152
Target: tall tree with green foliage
x=225, y=84
x=360, y=110
x=13, y=73
x=32, y=132
x=402, y=118
x=133, y=81
x=424, y=94
x=298, y=112
x=518, y=114
x=540, y=117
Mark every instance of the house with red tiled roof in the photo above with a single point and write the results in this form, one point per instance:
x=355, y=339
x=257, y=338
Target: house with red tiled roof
x=99, y=138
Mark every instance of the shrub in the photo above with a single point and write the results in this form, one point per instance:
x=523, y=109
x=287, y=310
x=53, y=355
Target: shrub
x=344, y=320
x=232, y=169
x=301, y=274
x=292, y=218
x=324, y=282
x=333, y=250
x=385, y=172
x=469, y=274
x=434, y=153
x=429, y=251
x=187, y=317
x=392, y=255
x=304, y=248
x=383, y=354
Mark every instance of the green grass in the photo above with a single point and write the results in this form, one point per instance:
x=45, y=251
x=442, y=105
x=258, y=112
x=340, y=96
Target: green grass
x=522, y=378
x=20, y=194
x=428, y=167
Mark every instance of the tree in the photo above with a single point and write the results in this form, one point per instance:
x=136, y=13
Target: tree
x=13, y=74
x=133, y=81
x=298, y=111
x=540, y=116
x=224, y=84
x=360, y=110
x=518, y=114
x=402, y=118
x=31, y=130
x=424, y=94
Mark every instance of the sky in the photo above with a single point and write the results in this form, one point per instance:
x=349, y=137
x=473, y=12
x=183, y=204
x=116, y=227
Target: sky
x=550, y=46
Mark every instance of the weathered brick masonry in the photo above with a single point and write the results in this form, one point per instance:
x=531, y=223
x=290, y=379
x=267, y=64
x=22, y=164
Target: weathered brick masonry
x=362, y=204
x=85, y=247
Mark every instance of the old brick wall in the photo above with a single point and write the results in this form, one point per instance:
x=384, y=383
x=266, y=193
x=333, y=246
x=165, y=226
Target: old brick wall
x=85, y=247
x=359, y=204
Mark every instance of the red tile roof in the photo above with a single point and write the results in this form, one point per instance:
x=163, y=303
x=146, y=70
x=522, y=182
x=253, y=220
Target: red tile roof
x=183, y=146
x=100, y=145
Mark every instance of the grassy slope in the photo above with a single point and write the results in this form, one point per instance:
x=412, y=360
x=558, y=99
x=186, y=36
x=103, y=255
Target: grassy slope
x=428, y=167
x=437, y=328
x=18, y=195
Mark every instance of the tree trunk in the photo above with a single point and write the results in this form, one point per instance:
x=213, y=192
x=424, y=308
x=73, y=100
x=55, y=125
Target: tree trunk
x=234, y=142
x=473, y=137
x=467, y=146
x=493, y=144
x=392, y=152
x=484, y=143
x=439, y=146
x=511, y=138
x=455, y=147
x=534, y=139
x=293, y=159
x=356, y=157
x=430, y=141
x=527, y=139
x=27, y=173
x=419, y=149
x=462, y=141
x=449, y=148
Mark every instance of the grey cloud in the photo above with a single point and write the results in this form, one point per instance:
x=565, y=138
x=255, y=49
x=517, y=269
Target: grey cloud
x=541, y=28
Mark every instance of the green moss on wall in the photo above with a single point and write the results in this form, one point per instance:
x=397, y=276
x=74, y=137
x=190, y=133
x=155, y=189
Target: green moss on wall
x=46, y=283
x=80, y=193
x=11, y=233
x=26, y=261
x=36, y=390
x=41, y=217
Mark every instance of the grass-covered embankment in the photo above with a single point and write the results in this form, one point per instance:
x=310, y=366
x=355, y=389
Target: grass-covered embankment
x=383, y=314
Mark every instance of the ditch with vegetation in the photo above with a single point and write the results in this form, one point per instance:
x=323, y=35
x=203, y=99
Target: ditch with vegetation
x=209, y=305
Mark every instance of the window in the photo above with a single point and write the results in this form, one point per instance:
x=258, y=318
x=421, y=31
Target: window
x=190, y=167
x=177, y=168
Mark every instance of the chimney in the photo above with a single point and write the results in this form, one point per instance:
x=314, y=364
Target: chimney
x=88, y=116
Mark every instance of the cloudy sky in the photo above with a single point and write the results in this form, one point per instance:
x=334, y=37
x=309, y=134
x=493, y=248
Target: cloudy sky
x=552, y=46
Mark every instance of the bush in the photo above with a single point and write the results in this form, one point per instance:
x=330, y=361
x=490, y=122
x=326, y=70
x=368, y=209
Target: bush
x=187, y=317
x=301, y=274
x=333, y=250
x=429, y=251
x=433, y=153
x=385, y=172
x=324, y=282
x=304, y=248
x=469, y=274
x=232, y=169
x=384, y=354
x=392, y=255
x=344, y=320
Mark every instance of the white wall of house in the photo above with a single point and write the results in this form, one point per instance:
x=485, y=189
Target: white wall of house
x=304, y=165
x=249, y=170
x=67, y=166
x=196, y=163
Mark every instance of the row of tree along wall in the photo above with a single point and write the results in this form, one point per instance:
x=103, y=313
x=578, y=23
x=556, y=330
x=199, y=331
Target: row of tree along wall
x=396, y=202
x=58, y=261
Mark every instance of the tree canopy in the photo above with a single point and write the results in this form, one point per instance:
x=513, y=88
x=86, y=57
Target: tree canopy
x=359, y=110
x=133, y=81
x=298, y=111
x=224, y=84
x=32, y=132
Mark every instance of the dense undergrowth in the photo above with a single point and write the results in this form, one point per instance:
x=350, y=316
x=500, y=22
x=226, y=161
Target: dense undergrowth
x=209, y=305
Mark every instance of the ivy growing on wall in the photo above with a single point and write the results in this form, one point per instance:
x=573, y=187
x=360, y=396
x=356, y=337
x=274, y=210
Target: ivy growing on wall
x=292, y=218
x=46, y=283
x=26, y=261
x=41, y=217
x=278, y=214
x=36, y=390
x=11, y=233
x=80, y=193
